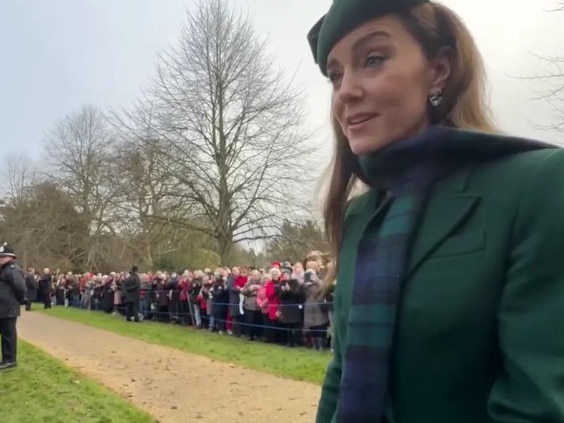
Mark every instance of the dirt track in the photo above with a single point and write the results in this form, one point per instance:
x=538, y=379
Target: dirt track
x=173, y=386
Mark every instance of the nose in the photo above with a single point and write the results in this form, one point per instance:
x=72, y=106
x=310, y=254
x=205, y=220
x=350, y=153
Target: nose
x=350, y=88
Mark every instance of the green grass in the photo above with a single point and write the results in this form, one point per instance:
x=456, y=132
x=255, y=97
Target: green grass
x=42, y=389
x=297, y=364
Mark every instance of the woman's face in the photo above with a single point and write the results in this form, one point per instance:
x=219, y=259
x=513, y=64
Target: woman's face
x=381, y=84
x=255, y=276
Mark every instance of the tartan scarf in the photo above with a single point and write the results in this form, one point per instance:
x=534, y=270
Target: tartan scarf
x=405, y=171
x=381, y=261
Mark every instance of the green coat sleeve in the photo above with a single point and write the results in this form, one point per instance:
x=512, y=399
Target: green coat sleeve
x=530, y=385
x=331, y=385
x=330, y=389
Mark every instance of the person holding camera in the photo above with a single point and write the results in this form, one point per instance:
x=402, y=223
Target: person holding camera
x=292, y=296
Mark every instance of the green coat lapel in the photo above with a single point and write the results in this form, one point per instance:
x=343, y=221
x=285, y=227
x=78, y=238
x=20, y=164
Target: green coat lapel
x=449, y=207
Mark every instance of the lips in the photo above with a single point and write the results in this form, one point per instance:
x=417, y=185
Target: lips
x=357, y=120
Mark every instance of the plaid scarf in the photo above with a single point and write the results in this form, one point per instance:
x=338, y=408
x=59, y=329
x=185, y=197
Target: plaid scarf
x=406, y=172
x=381, y=261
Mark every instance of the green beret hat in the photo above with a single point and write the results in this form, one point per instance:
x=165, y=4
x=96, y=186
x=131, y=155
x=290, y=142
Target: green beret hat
x=344, y=16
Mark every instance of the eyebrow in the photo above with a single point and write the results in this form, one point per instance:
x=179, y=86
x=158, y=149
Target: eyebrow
x=358, y=44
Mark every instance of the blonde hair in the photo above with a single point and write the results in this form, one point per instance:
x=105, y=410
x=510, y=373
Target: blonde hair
x=255, y=275
x=312, y=265
x=463, y=105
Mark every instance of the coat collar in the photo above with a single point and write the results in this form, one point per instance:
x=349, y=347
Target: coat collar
x=450, y=204
x=437, y=147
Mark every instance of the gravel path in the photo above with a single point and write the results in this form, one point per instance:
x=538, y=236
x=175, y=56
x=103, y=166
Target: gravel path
x=174, y=386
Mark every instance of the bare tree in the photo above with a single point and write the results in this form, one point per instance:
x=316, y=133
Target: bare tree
x=144, y=206
x=80, y=150
x=295, y=240
x=19, y=174
x=230, y=130
x=45, y=227
x=552, y=80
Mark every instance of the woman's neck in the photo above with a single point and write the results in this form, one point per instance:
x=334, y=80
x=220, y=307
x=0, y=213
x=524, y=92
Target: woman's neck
x=401, y=160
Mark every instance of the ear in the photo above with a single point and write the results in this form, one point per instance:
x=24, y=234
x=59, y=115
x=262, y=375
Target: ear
x=441, y=68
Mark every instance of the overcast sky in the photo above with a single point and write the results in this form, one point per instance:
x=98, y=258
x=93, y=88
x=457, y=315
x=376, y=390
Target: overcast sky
x=57, y=55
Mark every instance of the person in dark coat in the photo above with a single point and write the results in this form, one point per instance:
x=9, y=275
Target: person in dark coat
x=107, y=296
x=31, y=288
x=45, y=284
x=12, y=296
x=234, y=285
x=292, y=296
x=174, y=298
x=132, y=295
x=194, y=290
x=220, y=299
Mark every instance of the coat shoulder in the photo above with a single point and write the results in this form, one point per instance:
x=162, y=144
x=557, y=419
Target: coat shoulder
x=533, y=160
x=523, y=166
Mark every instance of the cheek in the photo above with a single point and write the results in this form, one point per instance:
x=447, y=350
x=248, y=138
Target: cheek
x=399, y=93
x=337, y=109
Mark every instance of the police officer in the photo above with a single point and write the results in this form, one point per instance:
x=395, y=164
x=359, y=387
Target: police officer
x=12, y=296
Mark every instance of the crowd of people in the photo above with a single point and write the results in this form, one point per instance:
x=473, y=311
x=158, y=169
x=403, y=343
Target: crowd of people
x=286, y=304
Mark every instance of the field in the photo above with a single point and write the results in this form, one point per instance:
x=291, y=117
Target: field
x=43, y=389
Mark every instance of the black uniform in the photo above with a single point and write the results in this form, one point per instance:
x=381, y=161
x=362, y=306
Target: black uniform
x=12, y=296
x=45, y=288
x=31, y=290
x=132, y=295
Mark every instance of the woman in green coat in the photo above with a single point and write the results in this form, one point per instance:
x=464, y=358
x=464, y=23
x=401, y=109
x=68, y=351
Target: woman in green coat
x=448, y=306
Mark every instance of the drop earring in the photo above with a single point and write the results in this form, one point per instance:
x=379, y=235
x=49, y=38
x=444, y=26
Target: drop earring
x=435, y=97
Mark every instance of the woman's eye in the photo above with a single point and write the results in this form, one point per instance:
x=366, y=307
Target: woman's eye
x=373, y=60
x=334, y=78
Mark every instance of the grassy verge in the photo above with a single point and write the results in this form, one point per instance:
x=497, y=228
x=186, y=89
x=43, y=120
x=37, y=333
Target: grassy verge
x=42, y=389
x=298, y=364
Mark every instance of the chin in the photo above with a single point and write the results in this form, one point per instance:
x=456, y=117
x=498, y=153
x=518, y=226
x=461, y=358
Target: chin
x=361, y=146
